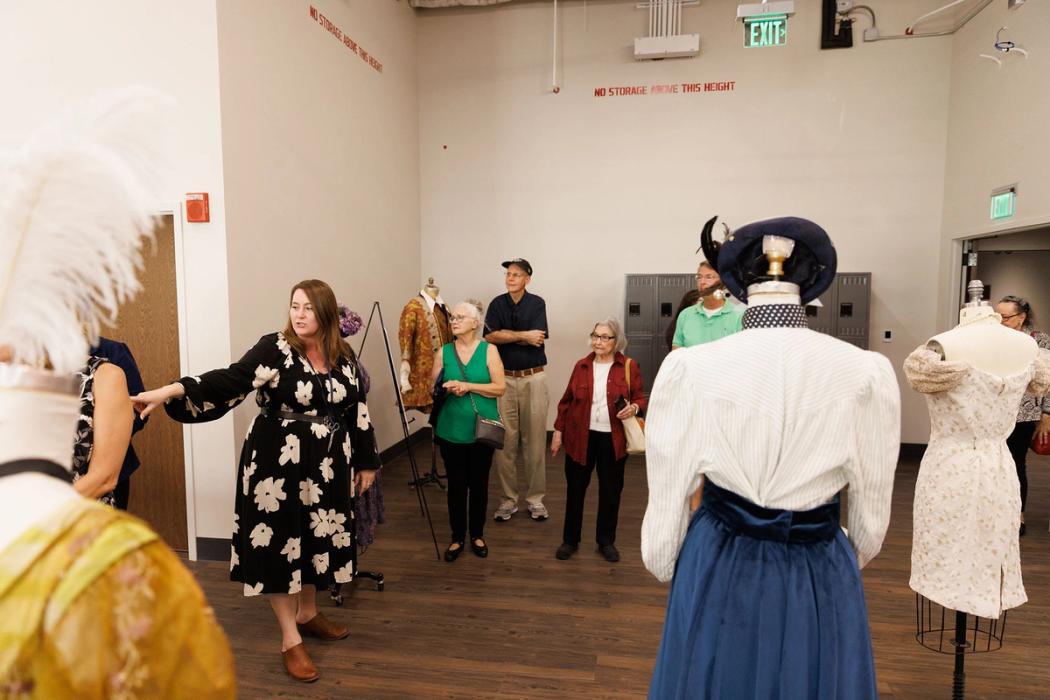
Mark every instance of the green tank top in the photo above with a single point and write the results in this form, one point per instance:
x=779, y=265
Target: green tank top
x=456, y=421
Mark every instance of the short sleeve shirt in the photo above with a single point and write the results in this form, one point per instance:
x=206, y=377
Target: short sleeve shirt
x=695, y=327
x=529, y=314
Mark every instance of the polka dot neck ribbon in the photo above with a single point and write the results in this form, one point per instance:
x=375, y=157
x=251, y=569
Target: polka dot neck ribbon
x=775, y=316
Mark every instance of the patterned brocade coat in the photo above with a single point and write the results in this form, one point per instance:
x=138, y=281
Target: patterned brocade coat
x=421, y=333
x=293, y=520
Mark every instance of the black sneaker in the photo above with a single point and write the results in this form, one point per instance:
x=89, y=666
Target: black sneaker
x=565, y=550
x=610, y=552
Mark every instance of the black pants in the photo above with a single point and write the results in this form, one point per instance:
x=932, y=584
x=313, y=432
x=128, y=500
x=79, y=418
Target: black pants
x=468, y=468
x=1018, y=444
x=610, y=486
x=121, y=493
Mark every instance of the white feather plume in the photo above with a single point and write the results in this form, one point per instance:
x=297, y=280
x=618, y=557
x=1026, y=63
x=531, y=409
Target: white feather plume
x=76, y=205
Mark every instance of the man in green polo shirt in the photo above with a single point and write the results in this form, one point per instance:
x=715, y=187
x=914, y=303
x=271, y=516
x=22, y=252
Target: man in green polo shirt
x=710, y=319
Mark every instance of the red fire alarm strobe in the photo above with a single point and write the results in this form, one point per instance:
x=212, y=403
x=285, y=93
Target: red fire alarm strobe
x=197, y=208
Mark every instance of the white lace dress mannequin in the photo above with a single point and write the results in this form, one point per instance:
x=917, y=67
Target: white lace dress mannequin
x=965, y=553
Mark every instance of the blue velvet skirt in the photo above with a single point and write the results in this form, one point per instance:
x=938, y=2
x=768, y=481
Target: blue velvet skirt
x=765, y=603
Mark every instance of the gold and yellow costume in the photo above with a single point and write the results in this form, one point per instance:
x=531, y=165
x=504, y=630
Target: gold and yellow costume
x=94, y=605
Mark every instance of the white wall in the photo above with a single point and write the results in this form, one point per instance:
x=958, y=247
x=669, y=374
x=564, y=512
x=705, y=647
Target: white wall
x=589, y=189
x=997, y=131
x=321, y=157
x=53, y=53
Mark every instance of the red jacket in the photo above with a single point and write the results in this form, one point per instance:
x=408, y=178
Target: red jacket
x=574, y=409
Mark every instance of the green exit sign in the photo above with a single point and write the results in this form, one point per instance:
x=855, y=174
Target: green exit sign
x=765, y=30
x=1003, y=204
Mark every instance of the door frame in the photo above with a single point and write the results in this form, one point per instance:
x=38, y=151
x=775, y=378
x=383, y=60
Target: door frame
x=174, y=209
x=957, y=272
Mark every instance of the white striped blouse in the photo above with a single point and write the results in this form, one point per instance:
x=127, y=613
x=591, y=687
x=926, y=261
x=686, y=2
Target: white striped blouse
x=785, y=417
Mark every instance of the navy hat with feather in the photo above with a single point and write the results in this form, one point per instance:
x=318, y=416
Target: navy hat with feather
x=741, y=262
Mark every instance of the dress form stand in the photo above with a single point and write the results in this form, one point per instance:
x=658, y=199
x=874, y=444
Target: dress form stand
x=983, y=342
x=433, y=292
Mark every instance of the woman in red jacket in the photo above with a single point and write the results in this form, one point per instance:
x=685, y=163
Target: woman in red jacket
x=589, y=418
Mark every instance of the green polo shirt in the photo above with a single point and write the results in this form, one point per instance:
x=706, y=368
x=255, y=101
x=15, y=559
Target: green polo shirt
x=695, y=328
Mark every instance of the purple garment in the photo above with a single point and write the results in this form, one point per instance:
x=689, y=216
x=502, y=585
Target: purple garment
x=369, y=512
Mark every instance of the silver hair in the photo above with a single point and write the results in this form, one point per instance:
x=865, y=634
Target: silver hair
x=474, y=311
x=614, y=325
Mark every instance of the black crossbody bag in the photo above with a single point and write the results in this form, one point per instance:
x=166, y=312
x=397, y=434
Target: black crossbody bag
x=486, y=431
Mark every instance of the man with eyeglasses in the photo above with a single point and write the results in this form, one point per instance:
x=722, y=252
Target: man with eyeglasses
x=516, y=323
x=710, y=319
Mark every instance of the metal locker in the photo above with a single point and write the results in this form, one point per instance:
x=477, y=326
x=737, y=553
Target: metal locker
x=852, y=307
x=640, y=317
x=640, y=312
x=822, y=318
x=670, y=290
x=641, y=349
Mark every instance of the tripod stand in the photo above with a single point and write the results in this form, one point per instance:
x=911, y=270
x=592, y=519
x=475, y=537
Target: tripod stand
x=433, y=476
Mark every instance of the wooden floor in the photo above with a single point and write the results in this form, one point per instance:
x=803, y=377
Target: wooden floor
x=521, y=624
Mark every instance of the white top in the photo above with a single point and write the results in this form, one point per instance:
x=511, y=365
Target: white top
x=599, y=403
x=34, y=425
x=785, y=417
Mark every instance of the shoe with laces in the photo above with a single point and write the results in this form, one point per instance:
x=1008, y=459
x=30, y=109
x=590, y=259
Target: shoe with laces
x=538, y=511
x=505, y=510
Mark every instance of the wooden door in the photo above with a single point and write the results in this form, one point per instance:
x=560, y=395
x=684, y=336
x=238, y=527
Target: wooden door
x=149, y=326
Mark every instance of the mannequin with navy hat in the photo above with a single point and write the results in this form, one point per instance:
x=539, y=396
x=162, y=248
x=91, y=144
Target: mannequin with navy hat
x=766, y=598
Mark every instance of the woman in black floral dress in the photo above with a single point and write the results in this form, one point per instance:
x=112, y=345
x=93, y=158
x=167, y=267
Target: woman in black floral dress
x=292, y=529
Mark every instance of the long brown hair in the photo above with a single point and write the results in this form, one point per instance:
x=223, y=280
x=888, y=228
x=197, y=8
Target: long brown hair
x=326, y=310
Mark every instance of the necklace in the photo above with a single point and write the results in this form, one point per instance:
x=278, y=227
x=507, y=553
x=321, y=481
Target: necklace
x=328, y=418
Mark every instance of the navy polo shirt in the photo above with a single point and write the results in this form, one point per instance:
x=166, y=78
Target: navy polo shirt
x=529, y=314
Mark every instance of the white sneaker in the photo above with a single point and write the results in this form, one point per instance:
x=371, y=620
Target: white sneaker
x=505, y=510
x=538, y=511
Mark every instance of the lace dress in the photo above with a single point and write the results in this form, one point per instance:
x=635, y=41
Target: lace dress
x=965, y=554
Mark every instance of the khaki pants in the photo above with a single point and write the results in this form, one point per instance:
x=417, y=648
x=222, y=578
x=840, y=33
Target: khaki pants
x=524, y=411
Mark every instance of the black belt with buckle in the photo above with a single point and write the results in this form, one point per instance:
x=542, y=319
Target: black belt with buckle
x=326, y=420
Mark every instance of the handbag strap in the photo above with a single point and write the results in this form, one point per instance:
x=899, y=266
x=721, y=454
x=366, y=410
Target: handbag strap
x=463, y=370
x=627, y=371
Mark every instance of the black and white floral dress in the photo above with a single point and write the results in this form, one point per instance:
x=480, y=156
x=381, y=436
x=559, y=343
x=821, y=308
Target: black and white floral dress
x=84, y=442
x=293, y=519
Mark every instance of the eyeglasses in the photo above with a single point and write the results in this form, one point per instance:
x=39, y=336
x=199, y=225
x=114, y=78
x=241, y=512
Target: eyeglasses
x=603, y=338
x=515, y=275
x=1010, y=316
x=457, y=317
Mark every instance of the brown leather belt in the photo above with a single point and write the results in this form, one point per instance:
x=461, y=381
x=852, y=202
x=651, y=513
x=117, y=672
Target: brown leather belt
x=519, y=373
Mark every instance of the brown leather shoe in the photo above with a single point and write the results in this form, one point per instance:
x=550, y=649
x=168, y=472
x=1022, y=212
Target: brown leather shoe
x=320, y=626
x=299, y=665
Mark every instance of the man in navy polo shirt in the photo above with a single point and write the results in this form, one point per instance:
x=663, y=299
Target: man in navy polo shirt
x=516, y=323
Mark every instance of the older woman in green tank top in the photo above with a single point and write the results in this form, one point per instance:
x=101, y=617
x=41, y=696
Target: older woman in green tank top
x=472, y=370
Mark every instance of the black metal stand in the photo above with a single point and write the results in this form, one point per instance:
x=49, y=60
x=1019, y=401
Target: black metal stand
x=433, y=476
x=424, y=509
x=931, y=623
x=336, y=590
